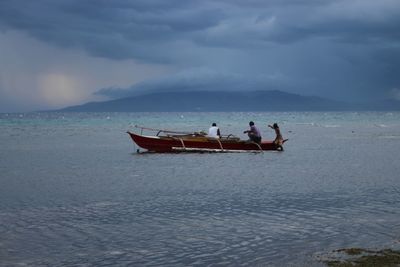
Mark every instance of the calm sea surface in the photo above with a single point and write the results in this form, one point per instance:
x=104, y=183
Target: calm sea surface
x=73, y=192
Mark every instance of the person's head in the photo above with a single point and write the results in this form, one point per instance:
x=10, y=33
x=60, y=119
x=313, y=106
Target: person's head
x=275, y=125
x=214, y=124
x=251, y=123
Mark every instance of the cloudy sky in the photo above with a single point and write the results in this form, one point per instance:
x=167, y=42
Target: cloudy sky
x=55, y=53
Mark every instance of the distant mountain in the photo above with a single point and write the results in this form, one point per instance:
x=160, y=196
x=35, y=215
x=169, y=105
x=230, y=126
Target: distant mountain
x=215, y=101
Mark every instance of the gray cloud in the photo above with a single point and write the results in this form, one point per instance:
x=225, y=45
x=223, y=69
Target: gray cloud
x=292, y=21
x=121, y=29
x=200, y=79
x=113, y=29
x=334, y=48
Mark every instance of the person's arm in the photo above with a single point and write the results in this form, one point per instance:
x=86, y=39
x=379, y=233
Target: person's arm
x=218, y=133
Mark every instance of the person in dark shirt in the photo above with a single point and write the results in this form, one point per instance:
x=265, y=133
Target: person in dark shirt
x=254, y=134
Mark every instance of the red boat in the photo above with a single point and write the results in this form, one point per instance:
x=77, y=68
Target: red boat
x=171, y=141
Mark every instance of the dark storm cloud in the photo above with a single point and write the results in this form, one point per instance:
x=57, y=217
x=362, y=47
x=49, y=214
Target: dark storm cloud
x=286, y=22
x=122, y=29
x=121, y=24
x=328, y=47
x=113, y=29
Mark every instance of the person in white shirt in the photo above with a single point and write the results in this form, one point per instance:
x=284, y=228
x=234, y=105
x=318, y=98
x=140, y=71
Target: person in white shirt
x=214, y=131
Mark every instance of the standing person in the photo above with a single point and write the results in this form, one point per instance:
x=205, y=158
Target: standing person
x=214, y=131
x=278, y=139
x=254, y=134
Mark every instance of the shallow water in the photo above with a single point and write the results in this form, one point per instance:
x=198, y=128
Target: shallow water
x=74, y=193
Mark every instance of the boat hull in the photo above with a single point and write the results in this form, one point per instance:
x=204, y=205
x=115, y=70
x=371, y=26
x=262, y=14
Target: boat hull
x=199, y=144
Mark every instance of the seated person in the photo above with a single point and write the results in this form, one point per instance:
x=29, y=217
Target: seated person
x=214, y=131
x=254, y=134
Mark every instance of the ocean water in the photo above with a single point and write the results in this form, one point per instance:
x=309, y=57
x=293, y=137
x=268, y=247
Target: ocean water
x=73, y=192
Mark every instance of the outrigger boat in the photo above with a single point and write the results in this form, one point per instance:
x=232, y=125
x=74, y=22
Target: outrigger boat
x=172, y=141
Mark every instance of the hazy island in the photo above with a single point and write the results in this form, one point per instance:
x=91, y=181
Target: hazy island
x=193, y=101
